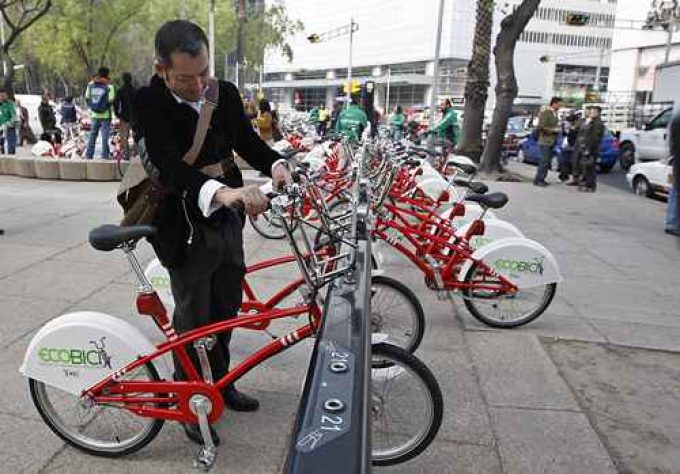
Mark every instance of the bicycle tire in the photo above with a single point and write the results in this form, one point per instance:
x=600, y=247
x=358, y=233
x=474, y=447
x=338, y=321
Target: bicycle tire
x=409, y=299
x=387, y=357
x=474, y=307
x=46, y=410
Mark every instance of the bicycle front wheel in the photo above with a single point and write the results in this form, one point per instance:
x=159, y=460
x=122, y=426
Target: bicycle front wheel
x=406, y=405
x=497, y=309
x=267, y=226
x=396, y=312
x=102, y=430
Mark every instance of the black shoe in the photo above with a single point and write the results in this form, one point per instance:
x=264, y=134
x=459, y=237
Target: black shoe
x=239, y=401
x=675, y=232
x=542, y=184
x=193, y=432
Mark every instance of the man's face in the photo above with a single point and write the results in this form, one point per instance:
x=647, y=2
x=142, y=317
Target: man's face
x=187, y=76
x=594, y=113
x=3, y=96
x=557, y=106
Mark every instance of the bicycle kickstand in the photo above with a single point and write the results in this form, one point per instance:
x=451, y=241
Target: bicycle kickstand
x=201, y=406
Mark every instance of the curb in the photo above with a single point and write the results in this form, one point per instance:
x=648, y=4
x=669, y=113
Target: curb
x=61, y=168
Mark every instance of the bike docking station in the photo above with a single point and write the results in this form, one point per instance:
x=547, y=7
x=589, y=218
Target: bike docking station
x=331, y=433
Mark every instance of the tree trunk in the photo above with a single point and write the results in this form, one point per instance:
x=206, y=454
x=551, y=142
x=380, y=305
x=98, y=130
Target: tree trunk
x=8, y=77
x=477, y=84
x=239, y=40
x=512, y=27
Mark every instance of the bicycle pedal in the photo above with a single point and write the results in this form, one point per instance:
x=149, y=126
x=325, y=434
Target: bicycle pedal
x=205, y=459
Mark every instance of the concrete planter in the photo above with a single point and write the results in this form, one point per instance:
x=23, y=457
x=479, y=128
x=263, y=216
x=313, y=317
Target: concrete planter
x=121, y=169
x=6, y=166
x=101, y=170
x=24, y=167
x=73, y=170
x=46, y=168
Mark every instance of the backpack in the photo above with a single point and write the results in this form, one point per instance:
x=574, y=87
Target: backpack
x=99, y=97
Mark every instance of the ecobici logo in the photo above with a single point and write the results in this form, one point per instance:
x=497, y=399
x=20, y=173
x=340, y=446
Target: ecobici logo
x=536, y=266
x=160, y=282
x=97, y=357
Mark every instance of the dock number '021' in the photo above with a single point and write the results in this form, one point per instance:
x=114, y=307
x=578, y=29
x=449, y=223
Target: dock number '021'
x=331, y=422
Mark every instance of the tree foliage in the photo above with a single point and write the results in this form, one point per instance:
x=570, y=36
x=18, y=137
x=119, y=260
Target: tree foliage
x=17, y=16
x=67, y=46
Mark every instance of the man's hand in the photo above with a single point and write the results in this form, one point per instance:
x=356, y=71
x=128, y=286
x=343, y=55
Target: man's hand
x=249, y=196
x=281, y=174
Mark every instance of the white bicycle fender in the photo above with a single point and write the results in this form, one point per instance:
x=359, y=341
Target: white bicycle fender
x=494, y=229
x=75, y=351
x=472, y=212
x=524, y=262
x=159, y=278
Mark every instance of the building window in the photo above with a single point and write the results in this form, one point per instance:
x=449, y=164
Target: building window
x=310, y=97
x=407, y=95
x=276, y=95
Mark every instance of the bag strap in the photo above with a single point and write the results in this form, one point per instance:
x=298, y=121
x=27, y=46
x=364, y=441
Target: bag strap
x=212, y=95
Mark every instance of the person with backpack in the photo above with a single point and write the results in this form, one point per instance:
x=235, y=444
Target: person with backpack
x=122, y=106
x=99, y=96
x=397, y=121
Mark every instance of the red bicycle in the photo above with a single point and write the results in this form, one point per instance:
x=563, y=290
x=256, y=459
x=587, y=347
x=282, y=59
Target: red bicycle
x=101, y=385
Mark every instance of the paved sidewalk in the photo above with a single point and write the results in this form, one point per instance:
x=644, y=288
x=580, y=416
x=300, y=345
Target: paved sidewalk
x=514, y=402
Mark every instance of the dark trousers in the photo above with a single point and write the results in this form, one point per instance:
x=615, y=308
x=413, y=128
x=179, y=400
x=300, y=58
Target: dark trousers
x=588, y=172
x=207, y=287
x=543, y=164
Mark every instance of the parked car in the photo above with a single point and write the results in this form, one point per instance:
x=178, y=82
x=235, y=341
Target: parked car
x=651, y=178
x=530, y=152
x=514, y=134
x=650, y=143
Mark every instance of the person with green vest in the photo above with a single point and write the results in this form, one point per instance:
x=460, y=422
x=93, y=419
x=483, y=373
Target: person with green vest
x=447, y=127
x=8, y=120
x=100, y=96
x=548, y=129
x=352, y=121
x=314, y=115
x=397, y=124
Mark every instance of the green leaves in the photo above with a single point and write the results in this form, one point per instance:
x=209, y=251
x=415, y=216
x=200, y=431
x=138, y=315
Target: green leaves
x=75, y=37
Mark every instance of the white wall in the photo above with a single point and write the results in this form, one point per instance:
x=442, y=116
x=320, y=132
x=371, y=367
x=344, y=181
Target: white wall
x=390, y=31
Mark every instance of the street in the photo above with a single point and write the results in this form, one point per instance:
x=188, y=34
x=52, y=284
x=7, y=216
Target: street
x=588, y=387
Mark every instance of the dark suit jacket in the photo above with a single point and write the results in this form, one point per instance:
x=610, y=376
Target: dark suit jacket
x=675, y=150
x=165, y=131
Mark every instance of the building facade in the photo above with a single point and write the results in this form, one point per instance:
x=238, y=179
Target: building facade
x=395, y=45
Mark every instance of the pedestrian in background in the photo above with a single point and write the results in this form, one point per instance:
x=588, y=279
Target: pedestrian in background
x=335, y=113
x=8, y=121
x=25, y=132
x=397, y=124
x=322, y=120
x=579, y=139
x=447, y=127
x=548, y=129
x=48, y=121
x=264, y=122
x=122, y=107
x=99, y=96
x=672, y=224
x=590, y=150
x=69, y=118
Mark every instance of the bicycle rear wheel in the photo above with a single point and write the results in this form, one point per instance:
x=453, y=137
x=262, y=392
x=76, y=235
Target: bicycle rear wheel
x=102, y=430
x=500, y=310
x=396, y=312
x=406, y=405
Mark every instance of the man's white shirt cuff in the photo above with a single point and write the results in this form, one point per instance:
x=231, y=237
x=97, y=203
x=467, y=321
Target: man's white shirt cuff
x=206, y=195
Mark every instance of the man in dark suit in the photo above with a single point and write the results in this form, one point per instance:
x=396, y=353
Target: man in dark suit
x=199, y=236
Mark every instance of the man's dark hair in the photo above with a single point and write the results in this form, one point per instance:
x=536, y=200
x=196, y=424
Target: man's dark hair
x=103, y=72
x=555, y=100
x=127, y=79
x=179, y=36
